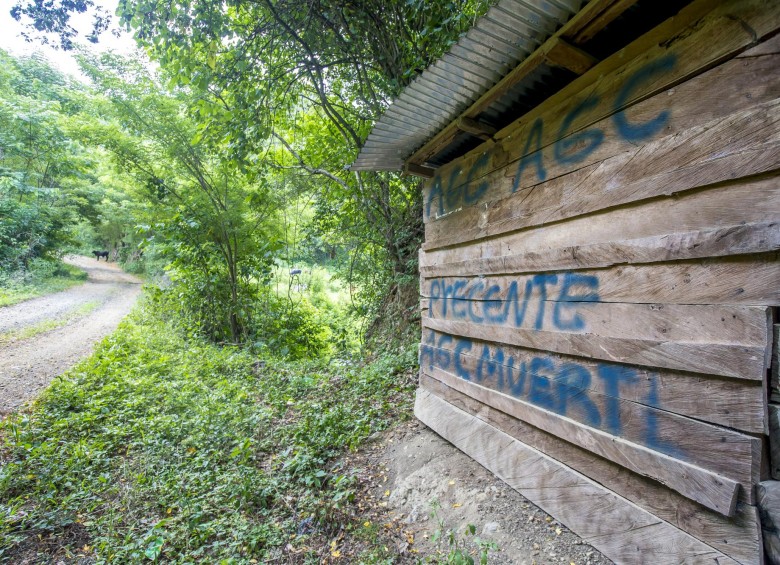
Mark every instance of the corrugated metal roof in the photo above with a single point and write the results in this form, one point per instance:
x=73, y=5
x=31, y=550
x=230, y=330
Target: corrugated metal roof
x=498, y=42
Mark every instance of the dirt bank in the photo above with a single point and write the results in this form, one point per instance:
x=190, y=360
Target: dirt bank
x=410, y=471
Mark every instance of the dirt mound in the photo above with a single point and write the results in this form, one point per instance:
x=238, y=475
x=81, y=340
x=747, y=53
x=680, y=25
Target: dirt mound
x=412, y=472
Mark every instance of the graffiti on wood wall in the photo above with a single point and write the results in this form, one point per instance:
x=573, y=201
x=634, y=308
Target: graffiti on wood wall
x=450, y=192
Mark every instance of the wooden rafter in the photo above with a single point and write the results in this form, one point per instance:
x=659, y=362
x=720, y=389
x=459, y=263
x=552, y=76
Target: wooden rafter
x=554, y=51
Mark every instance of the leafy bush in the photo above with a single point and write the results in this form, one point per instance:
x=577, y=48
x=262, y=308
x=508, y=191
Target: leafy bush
x=43, y=276
x=28, y=231
x=295, y=330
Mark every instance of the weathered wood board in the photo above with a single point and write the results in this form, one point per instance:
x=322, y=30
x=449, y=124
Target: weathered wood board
x=774, y=440
x=747, y=280
x=738, y=536
x=731, y=219
x=598, y=285
x=685, y=159
x=712, y=490
x=774, y=380
x=614, y=525
x=733, y=403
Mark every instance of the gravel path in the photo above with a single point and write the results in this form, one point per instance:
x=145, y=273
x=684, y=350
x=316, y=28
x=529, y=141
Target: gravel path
x=28, y=365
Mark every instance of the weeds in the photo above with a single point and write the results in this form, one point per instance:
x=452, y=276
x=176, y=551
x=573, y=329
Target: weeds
x=170, y=449
x=457, y=548
x=43, y=277
x=48, y=325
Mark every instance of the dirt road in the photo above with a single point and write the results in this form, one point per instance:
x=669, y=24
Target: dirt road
x=43, y=337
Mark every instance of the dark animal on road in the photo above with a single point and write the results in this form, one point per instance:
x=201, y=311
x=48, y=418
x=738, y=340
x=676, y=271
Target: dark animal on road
x=99, y=254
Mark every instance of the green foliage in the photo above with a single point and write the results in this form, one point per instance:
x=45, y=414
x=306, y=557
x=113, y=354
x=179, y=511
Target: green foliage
x=42, y=277
x=169, y=448
x=296, y=330
x=458, y=551
x=48, y=179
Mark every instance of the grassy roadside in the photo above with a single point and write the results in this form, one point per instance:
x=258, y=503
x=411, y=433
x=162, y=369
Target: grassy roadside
x=48, y=325
x=37, y=284
x=159, y=448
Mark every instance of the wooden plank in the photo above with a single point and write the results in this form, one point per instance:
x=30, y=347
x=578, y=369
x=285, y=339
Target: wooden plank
x=729, y=240
x=589, y=12
x=737, y=361
x=419, y=170
x=738, y=537
x=715, y=491
x=531, y=308
x=745, y=280
x=774, y=440
x=569, y=57
x=559, y=389
x=618, y=528
x=535, y=310
x=586, y=127
x=472, y=126
x=769, y=47
x=719, y=221
x=774, y=379
x=737, y=404
x=592, y=27
x=769, y=510
x=743, y=144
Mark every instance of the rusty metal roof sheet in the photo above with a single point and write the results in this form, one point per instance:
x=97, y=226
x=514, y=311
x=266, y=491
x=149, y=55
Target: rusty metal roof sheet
x=498, y=42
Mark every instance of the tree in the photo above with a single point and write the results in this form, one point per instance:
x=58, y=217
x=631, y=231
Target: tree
x=41, y=166
x=211, y=219
x=310, y=77
x=313, y=76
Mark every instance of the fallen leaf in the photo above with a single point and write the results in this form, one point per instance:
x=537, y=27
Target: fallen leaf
x=457, y=505
x=558, y=531
x=336, y=553
x=452, y=483
x=387, y=493
x=367, y=524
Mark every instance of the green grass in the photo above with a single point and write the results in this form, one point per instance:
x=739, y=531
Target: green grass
x=64, y=277
x=162, y=448
x=48, y=325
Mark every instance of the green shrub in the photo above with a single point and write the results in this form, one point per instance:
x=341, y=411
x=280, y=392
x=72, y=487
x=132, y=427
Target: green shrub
x=295, y=330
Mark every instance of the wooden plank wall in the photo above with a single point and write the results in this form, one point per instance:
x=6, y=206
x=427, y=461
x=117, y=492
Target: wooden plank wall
x=598, y=283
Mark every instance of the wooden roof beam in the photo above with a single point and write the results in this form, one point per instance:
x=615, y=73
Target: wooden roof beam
x=418, y=170
x=560, y=53
x=476, y=128
x=584, y=31
x=565, y=55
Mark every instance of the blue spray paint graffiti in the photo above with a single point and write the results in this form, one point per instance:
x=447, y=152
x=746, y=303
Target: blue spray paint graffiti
x=550, y=382
x=569, y=149
x=479, y=304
